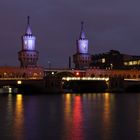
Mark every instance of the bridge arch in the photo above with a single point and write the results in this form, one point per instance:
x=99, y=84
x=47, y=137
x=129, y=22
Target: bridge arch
x=64, y=74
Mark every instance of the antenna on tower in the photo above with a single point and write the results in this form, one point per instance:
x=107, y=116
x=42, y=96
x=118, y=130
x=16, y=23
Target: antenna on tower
x=82, y=25
x=28, y=20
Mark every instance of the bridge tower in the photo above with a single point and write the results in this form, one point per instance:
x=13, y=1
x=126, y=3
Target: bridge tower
x=28, y=56
x=82, y=58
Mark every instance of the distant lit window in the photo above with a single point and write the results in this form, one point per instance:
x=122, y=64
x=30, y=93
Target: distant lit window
x=138, y=62
x=130, y=63
x=103, y=60
x=135, y=63
x=125, y=63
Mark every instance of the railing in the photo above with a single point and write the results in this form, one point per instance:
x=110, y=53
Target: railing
x=21, y=78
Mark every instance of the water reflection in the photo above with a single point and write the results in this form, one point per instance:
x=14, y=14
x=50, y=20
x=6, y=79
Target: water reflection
x=87, y=111
x=106, y=117
x=10, y=107
x=77, y=123
x=67, y=115
x=68, y=108
x=18, y=117
x=70, y=117
x=138, y=129
x=73, y=117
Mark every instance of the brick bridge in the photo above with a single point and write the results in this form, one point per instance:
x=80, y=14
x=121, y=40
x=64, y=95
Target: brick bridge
x=127, y=74
x=117, y=79
x=52, y=79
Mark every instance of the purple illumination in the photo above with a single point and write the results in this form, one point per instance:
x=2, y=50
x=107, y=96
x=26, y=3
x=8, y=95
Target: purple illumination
x=28, y=38
x=28, y=42
x=82, y=42
x=83, y=46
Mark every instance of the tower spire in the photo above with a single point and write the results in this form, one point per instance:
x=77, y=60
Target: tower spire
x=28, y=56
x=28, y=30
x=82, y=33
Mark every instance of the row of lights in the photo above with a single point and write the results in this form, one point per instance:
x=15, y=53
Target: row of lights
x=132, y=79
x=84, y=78
x=130, y=63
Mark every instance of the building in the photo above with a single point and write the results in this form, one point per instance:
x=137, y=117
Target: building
x=131, y=62
x=82, y=58
x=115, y=60
x=28, y=56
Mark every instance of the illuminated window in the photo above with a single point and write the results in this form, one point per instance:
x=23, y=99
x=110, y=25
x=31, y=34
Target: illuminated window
x=130, y=63
x=125, y=63
x=138, y=62
x=135, y=63
x=103, y=60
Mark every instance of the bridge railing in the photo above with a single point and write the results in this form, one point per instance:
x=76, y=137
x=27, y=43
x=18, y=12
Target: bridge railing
x=21, y=78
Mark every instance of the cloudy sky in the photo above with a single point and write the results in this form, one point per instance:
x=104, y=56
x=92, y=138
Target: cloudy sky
x=109, y=24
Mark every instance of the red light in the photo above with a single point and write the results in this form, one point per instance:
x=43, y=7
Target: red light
x=77, y=73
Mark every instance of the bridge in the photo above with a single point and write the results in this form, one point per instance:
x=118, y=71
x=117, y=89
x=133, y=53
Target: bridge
x=128, y=74
x=58, y=79
x=115, y=79
x=23, y=79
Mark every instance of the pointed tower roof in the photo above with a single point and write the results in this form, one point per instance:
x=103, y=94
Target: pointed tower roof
x=28, y=30
x=82, y=33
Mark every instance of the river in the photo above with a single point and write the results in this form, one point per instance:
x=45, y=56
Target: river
x=94, y=116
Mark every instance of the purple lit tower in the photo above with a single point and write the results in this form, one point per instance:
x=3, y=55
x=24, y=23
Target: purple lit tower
x=82, y=58
x=28, y=56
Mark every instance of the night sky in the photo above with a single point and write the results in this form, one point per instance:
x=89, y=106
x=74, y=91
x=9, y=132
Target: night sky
x=109, y=24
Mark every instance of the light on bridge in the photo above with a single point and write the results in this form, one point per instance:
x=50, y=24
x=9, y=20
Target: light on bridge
x=77, y=73
x=10, y=90
x=84, y=78
x=19, y=82
x=52, y=73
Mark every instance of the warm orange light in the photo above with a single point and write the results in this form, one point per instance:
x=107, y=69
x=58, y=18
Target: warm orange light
x=18, y=116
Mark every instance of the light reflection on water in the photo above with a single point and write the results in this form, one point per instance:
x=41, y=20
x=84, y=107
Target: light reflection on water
x=18, y=129
x=106, y=117
x=76, y=120
x=70, y=117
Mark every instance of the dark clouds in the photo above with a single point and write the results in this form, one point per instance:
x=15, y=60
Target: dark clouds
x=56, y=24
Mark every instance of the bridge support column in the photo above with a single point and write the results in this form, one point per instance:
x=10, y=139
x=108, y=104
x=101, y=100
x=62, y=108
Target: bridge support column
x=116, y=84
x=53, y=84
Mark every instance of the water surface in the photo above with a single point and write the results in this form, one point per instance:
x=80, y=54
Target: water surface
x=70, y=117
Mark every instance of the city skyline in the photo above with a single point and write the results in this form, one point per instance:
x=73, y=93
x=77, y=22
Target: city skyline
x=56, y=25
